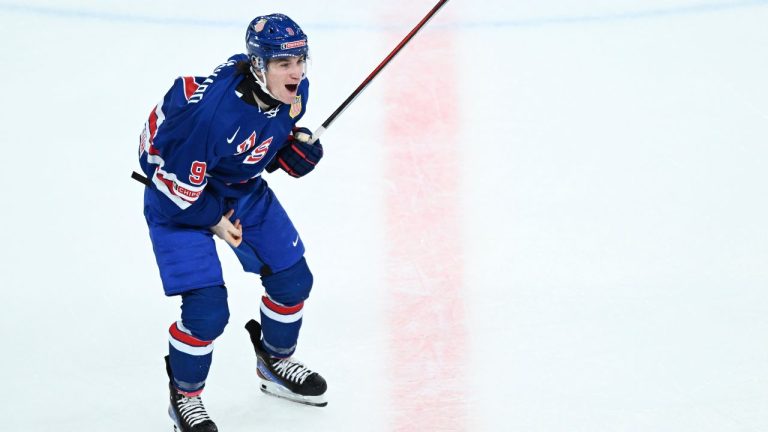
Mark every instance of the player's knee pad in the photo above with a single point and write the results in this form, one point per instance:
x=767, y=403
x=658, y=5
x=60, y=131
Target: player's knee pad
x=204, y=312
x=290, y=286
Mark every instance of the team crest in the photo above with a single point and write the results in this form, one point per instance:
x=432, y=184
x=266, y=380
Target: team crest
x=295, y=107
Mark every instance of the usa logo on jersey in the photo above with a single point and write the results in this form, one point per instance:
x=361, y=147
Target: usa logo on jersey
x=247, y=144
x=259, y=152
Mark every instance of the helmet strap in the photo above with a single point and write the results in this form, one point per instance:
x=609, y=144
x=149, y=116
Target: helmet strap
x=263, y=80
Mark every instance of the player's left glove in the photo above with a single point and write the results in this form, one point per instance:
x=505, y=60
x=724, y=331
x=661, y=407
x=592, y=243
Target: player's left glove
x=298, y=157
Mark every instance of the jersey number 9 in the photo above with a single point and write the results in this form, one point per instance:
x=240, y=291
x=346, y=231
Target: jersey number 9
x=197, y=173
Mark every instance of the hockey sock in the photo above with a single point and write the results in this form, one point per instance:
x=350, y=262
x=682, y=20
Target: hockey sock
x=204, y=314
x=280, y=326
x=190, y=359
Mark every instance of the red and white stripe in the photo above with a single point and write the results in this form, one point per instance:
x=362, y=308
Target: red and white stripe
x=182, y=339
x=180, y=193
x=156, y=118
x=280, y=313
x=190, y=86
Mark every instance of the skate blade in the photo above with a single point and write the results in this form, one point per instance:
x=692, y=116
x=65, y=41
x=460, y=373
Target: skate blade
x=274, y=389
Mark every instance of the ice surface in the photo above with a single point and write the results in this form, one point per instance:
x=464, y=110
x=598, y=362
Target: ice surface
x=543, y=216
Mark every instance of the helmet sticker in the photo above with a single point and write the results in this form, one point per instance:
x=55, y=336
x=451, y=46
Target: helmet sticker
x=296, y=44
x=259, y=26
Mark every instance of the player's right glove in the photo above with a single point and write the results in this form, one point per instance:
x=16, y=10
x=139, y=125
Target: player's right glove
x=298, y=158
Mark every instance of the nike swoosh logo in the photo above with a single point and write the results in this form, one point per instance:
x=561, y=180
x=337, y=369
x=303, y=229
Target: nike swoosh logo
x=229, y=140
x=295, y=242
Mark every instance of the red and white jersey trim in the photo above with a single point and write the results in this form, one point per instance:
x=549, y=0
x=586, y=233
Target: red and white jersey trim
x=156, y=118
x=190, y=86
x=180, y=193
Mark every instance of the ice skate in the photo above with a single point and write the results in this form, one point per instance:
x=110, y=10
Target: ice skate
x=286, y=378
x=188, y=413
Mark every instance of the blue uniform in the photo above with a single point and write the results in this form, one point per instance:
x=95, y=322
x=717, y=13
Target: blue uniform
x=204, y=149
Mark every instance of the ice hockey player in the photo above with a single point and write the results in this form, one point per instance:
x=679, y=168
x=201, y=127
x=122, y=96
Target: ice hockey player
x=203, y=150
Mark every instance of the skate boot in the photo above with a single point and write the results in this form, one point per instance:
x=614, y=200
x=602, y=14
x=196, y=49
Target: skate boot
x=285, y=377
x=188, y=413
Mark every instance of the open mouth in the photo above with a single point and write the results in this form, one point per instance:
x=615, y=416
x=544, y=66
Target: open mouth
x=292, y=87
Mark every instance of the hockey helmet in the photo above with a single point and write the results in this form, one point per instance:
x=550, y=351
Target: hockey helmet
x=273, y=36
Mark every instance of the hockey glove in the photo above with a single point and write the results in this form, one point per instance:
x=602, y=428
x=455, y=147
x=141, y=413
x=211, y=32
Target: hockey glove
x=298, y=157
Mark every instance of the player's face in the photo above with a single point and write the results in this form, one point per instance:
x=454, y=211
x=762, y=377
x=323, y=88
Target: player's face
x=283, y=77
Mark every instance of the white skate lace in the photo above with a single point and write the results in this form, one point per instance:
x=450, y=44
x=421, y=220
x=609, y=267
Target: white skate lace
x=292, y=370
x=192, y=410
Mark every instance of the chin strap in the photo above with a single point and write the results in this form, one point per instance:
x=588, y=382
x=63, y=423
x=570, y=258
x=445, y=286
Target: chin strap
x=262, y=83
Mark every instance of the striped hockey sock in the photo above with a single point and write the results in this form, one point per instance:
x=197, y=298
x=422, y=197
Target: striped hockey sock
x=190, y=359
x=280, y=326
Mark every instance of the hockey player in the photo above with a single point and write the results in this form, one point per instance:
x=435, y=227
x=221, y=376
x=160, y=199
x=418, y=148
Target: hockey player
x=203, y=150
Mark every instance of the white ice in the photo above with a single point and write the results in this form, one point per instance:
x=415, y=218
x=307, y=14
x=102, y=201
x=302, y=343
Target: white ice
x=612, y=165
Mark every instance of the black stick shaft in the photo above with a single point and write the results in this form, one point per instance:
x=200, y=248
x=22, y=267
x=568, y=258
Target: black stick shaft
x=141, y=179
x=379, y=68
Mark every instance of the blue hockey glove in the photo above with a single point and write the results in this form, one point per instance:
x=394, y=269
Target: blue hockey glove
x=298, y=157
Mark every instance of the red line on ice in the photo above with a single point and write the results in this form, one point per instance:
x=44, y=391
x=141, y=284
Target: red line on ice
x=424, y=234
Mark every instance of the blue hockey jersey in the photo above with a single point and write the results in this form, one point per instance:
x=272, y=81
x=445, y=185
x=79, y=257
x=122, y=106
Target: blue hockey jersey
x=203, y=144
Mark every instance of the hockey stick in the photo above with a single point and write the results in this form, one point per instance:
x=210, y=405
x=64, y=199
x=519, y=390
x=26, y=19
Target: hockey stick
x=344, y=105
